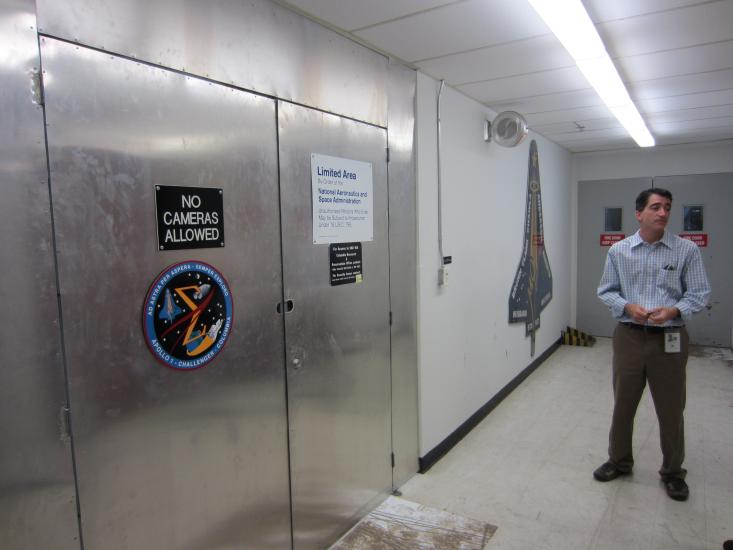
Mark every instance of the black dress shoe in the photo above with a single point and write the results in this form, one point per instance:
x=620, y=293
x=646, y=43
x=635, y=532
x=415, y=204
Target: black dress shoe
x=676, y=487
x=608, y=471
x=728, y=545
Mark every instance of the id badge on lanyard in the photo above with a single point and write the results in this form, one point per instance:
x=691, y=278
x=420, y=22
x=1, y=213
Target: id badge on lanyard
x=672, y=340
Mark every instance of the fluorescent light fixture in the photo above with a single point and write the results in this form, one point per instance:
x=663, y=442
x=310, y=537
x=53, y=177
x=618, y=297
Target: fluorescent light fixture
x=575, y=31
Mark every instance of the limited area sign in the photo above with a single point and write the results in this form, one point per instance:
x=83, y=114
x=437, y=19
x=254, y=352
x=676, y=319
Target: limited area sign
x=189, y=217
x=341, y=190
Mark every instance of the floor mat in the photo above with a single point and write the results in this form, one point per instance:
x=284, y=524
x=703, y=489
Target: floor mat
x=401, y=524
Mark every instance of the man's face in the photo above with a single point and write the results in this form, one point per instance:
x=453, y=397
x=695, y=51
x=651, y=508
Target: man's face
x=655, y=215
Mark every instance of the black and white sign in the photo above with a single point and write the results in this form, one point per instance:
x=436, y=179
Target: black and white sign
x=189, y=217
x=341, y=190
x=345, y=263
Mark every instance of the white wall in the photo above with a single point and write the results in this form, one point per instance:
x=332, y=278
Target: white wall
x=467, y=349
x=678, y=160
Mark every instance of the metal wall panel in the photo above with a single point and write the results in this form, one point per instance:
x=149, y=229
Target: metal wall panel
x=714, y=192
x=403, y=270
x=593, y=197
x=37, y=495
x=337, y=338
x=166, y=459
x=253, y=44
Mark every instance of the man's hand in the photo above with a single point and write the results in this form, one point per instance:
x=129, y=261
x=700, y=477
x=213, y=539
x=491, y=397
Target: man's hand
x=637, y=313
x=661, y=315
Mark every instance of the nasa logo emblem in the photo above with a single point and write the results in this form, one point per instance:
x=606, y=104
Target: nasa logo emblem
x=187, y=317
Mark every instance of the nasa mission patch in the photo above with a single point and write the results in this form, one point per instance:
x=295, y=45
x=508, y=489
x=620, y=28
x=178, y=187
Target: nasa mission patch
x=187, y=315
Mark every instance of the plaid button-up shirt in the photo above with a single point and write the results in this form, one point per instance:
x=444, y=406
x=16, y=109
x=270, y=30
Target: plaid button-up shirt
x=667, y=273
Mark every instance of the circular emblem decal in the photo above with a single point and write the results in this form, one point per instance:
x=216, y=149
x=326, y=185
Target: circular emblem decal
x=188, y=315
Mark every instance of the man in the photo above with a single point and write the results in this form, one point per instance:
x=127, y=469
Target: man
x=652, y=282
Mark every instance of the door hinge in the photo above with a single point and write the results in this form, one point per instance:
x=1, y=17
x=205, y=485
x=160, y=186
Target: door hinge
x=391, y=455
x=387, y=149
x=390, y=318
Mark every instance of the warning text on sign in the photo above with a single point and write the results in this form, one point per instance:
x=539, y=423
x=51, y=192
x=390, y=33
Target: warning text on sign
x=342, y=200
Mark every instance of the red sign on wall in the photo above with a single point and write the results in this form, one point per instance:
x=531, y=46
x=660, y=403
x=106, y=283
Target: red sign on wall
x=700, y=239
x=607, y=239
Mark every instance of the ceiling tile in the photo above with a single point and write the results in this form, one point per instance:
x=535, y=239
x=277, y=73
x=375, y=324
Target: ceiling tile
x=571, y=128
x=723, y=124
x=568, y=115
x=544, y=82
x=700, y=24
x=550, y=102
x=708, y=57
x=603, y=10
x=516, y=58
x=456, y=28
x=701, y=134
x=688, y=101
x=701, y=113
x=350, y=15
x=592, y=147
x=680, y=85
x=590, y=135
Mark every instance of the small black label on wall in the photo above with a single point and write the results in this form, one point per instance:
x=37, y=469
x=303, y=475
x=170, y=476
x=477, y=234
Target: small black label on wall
x=189, y=217
x=345, y=263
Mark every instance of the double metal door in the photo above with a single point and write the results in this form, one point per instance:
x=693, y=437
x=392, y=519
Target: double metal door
x=168, y=459
x=712, y=193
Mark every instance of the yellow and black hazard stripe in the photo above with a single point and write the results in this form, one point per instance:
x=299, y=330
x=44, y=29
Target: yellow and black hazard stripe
x=574, y=337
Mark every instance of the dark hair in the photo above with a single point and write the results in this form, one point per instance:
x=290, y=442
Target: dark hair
x=643, y=197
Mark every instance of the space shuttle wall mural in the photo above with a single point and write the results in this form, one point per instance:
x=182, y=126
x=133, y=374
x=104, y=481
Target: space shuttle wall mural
x=532, y=288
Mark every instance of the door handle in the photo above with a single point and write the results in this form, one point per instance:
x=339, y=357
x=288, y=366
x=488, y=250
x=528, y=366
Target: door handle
x=289, y=305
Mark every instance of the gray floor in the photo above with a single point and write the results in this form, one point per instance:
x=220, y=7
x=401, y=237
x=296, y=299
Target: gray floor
x=527, y=468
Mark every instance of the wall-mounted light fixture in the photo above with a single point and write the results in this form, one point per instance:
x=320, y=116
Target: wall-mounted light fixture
x=573, y=27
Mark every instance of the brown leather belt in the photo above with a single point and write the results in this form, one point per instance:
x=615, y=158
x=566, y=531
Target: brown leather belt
x=646, y=328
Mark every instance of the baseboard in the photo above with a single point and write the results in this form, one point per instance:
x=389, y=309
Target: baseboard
x=435, y=454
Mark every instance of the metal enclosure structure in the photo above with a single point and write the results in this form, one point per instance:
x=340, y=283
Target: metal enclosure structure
x=403, y=270
x=255, y=44
x=37, y=499
x=140, y=94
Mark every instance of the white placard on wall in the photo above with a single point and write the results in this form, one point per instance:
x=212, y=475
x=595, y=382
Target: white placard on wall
x=342, y=200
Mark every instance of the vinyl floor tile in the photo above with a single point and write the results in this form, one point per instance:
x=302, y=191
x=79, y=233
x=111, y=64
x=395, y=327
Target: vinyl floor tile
x=527, y=468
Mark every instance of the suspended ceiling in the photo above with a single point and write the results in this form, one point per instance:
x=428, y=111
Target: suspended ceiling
x=675, y=56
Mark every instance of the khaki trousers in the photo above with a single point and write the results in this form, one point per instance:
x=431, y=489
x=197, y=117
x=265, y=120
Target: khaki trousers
x=638, y=358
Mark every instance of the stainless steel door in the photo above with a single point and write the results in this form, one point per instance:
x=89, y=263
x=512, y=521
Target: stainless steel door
x=166, y=459
x=337, y=338
x=37, y=495
x=714, y=192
